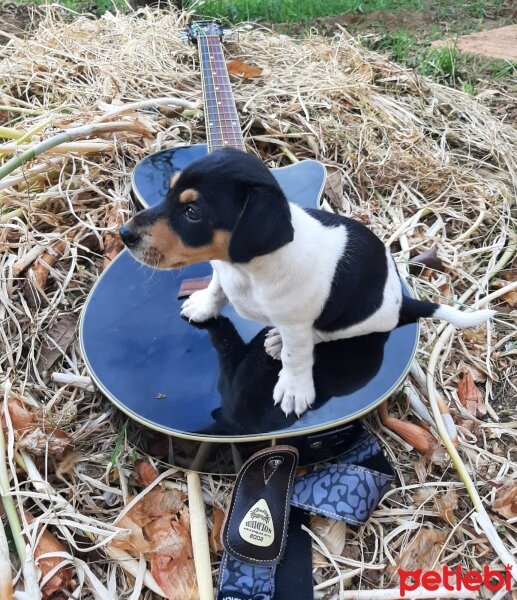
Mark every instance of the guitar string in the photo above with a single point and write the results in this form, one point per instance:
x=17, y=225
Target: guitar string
x=211, y=124
x=220, y=105
x=211, y=134
x=229, y=102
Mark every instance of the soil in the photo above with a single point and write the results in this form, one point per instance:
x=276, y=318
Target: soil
x=14, y=20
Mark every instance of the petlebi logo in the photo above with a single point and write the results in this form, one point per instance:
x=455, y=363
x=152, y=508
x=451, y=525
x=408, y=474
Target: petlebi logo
x=455, y=579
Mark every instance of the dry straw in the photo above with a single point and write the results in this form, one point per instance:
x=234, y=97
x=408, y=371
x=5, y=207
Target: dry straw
x=424, y=165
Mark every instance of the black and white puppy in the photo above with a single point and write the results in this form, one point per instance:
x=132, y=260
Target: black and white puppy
x=312, y=275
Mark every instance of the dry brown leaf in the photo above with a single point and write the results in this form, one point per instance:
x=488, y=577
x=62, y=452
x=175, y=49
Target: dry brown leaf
x=242, y=69
x=334, y=186
x=413, y=434
x=446, y=505
x=216, y=545
x=113, y=244
x=57, y=340
x=62, y=579
x=134, y=541
x=478, y=376
x=21, y=418
x=505, y=502
x=446, y=294
x=470, y=396
x=37, y=275
x=422, y=552
x=145, y=473
x=172, y=562
x=67, y=463
x=509, y=297
x=42, y=441
x=429, y=259
x=32, y=433
x=335, y=538
x=159, y=529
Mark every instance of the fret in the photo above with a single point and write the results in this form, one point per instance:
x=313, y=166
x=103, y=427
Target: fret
x=221, y=117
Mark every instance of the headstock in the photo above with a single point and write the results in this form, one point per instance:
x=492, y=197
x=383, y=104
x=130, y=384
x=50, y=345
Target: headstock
x=198, y=29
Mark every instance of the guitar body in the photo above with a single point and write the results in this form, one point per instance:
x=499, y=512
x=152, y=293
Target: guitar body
x=209, y=387
x=302, y=183
x=212, y=384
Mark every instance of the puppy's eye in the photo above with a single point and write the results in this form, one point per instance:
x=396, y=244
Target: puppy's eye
x=192, y=213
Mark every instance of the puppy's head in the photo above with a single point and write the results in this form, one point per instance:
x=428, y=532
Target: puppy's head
x=225, y=206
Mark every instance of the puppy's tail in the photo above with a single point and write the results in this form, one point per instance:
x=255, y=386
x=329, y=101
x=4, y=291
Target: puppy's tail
x=412, y=310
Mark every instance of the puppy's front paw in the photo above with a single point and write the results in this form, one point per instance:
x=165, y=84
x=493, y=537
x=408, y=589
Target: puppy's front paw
x=294, y=394
x=200, y=307
x=273, y=343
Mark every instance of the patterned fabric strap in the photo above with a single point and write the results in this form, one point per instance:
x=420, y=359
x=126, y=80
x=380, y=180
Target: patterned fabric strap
x=348, y=490
x=241, y=581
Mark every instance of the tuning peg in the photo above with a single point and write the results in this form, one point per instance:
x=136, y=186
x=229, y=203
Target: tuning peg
x=228, y=34
x=184, y=37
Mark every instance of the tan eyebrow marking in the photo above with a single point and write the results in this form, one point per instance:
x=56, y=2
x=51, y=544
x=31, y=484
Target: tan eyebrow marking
x=189, y=195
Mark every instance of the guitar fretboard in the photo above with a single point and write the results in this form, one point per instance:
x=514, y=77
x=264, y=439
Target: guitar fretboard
x=222, y=122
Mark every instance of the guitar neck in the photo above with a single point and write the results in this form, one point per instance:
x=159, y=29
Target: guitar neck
x=222, y=122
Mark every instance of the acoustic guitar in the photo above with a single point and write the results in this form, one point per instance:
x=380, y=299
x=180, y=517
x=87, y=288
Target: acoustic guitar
x=209, y=387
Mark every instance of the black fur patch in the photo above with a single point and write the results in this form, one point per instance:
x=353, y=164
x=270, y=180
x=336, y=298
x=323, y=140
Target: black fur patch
x=236, y=193
x=413, y=309
x=358, y=285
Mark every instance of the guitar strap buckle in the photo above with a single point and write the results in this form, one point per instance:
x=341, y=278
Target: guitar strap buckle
x=253, y=566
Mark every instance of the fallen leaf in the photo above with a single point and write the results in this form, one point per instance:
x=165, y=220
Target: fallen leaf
x=56, y=342
x=334, y=187
x=335, y=538
x=21, y=418
x=215, y=534
x=33, y=433
x=446, y=294
x=242, y=69
x=37, y=275
x=422, y=552
x=446, y=505
x=429, y=259
x=505, y=502
x=113, y=243
x=413, y=434
x=509, y=297
x=470, y=396
x=133, y=541
x=172, y=563
x=476, y=373
x=158, y=528
x=62, y=578
x=67, y=463
x=40, y=442
x=145, y=473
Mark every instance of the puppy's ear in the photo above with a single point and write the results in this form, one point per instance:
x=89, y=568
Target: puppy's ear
x=264, y=224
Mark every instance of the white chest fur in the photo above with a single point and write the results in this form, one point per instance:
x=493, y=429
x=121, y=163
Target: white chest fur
x=290, y=284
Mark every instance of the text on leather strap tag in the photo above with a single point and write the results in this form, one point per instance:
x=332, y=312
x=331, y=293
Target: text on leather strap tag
x=257, y=526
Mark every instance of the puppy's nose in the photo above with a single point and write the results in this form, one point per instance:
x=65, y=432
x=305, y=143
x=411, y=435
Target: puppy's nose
x=129, y=237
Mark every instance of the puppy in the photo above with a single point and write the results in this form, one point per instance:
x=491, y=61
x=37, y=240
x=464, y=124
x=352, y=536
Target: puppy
x=313, y=276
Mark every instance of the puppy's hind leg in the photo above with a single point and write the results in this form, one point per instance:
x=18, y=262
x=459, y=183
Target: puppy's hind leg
x=273, y=342
x=205, y=304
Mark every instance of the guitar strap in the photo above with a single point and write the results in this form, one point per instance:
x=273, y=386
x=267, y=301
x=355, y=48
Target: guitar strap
x=269, y=505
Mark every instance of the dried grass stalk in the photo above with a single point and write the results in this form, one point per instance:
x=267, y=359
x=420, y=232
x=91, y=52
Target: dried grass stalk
x=423, y=165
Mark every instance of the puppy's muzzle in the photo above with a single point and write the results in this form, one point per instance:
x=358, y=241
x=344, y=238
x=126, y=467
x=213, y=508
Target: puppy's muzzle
x=128, y=236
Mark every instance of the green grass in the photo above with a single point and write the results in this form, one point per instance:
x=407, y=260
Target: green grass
x=98, y=7
x=290, y=11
